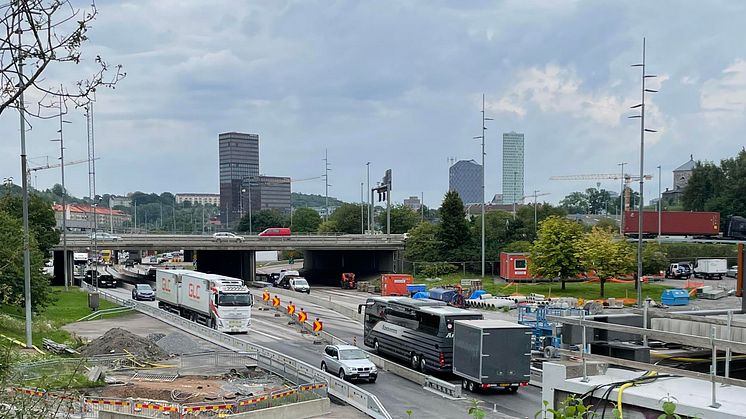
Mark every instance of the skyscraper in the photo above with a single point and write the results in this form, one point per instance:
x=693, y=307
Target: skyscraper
x=465, y=177
x=512, y=167
x=273, y=193
x=239, y=159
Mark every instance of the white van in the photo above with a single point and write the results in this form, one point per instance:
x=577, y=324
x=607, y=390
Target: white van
x=711, y=268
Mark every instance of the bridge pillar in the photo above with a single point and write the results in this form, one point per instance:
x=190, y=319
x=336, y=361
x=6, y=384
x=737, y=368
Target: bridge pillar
x=59, y=267
x=188, y=255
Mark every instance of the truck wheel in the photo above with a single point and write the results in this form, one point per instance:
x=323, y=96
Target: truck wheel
x=423, y=365
x=512, y=389
x=471, y=387
x=375, y=346
x=414, y=362
x=464, y=383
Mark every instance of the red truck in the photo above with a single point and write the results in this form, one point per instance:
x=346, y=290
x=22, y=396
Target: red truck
x=673, y=223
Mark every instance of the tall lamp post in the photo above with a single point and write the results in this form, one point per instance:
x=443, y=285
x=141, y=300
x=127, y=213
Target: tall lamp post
x=643, y=130
x=481, y=137
x=370, y=199
x=621, y=200
x=660, y=204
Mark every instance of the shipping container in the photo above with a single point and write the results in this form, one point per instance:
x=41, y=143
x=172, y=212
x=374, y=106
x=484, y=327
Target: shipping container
x=491, y=354
x=673, y=223
x=395, y=284
x=514, y=266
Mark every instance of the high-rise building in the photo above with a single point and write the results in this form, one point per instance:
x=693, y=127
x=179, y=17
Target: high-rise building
x=198, y=198
x=239, y=160
x=272, y=192
x=413, y=202
x=465, y=177
x=513, y=156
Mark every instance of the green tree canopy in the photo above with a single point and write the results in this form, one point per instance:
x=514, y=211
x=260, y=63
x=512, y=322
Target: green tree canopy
x=718, y=188
x=346, y=218
x=422, y=244
x=654, y=258
x=40, y=216
x=591, y=201
x=11, y=266
x=305, y=220
x=454, y=229
x=263, y=220
x=403, y=219
x=553, y=253
x=598, y=251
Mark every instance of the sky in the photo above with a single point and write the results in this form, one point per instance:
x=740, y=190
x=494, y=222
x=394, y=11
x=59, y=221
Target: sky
x=398, y=84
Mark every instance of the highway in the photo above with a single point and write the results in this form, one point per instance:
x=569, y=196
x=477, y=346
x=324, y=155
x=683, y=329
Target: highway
x=397, y=394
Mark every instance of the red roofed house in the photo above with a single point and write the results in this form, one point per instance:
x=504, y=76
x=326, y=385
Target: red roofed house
x=78, y=217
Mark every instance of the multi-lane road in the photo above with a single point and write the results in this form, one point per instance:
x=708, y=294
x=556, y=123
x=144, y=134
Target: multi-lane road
x=396, y=393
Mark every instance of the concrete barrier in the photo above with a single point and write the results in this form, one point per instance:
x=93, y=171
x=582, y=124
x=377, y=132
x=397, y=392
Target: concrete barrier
x=307, y=409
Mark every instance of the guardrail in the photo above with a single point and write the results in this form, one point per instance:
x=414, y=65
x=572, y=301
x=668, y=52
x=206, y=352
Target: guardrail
x=291, y=367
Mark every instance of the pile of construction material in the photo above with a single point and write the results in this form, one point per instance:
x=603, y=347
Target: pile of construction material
x=120, y=341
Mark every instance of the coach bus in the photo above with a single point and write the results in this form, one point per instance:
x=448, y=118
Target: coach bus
x=417, y=331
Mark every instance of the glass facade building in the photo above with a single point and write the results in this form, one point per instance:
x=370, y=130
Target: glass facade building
x=465, y=177
x=239, y=159
x=513, y=157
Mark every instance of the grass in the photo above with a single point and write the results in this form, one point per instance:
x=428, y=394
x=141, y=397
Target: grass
x=68, y=307
x=583, y=290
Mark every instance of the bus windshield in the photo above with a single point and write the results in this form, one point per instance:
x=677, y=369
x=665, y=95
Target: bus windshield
x=235, y=300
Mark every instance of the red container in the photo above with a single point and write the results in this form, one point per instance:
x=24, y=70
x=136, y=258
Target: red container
x=395, y=284
x=514, y=266
x=674, y=223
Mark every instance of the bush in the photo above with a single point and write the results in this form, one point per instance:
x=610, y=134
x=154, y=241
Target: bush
x=437, y=268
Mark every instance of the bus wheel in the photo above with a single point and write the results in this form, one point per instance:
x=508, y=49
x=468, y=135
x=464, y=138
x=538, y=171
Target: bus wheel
x=464, y=383
x=423, y=366
x=512, y=389
x=414, y=362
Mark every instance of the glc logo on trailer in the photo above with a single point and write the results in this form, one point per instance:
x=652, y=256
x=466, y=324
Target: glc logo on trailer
x=194, y=291
x=166, y=285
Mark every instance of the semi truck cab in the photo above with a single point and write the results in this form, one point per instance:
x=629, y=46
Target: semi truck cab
x=231, y=305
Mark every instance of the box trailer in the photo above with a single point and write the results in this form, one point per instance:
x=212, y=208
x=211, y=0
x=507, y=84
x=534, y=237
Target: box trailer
x=217, y=301
x=514, y=266
x=710, y=268
x=491, y=354
x=395, y=284
x=673, y=223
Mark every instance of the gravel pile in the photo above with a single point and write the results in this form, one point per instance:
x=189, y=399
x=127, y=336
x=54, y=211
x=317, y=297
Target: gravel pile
x=117, y=340
x=177, y=343
x=155, y=337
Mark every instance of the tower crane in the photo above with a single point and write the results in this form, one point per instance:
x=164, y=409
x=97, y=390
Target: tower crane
x=534, y=195
x=627, y=179
x=52, y=166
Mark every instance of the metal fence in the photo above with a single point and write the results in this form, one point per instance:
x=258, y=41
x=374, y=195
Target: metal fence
x=290, y=368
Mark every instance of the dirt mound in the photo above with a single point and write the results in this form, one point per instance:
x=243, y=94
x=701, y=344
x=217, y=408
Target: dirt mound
x=117, y=340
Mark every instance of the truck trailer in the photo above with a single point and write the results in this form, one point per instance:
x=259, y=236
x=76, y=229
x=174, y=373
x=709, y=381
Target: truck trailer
x=220, y=302
x=491, y=354
x=710, y=268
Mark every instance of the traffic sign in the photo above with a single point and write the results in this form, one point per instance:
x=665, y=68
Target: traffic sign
x=302, y=316
x=275, y=301
x=265, y=295
x=317, y=325
x=291, y=308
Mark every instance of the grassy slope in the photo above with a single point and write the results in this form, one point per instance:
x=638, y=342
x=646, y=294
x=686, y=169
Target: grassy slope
x=68, y=307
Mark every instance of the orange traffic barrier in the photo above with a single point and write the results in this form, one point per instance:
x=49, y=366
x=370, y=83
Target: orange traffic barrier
x=275, y=301
x=157, y=407
x=108, y=402
x=265, y=295
x=291, y=308
x=317, y=326
x=252, y=401
x=283, y=394
x=302, y=316
x=206, y=408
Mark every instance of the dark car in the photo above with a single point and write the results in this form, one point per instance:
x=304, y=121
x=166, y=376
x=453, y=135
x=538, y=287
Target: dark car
x=143, y=292
x=273, y=278
x=129, y=263
x=107, y=281
x=680, y=270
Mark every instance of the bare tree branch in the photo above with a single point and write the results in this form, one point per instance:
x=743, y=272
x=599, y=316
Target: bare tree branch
x=42, y=33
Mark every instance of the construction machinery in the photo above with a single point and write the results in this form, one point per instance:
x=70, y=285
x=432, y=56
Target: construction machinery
x=348, y=281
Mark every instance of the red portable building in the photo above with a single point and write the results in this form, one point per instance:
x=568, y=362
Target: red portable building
x=395, y=284
x=514, y=266
x=673, y=223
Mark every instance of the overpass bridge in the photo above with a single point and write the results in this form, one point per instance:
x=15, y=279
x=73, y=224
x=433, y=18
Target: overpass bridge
x=322, y=254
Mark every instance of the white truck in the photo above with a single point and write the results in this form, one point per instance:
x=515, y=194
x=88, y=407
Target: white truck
x=711, y=268
x=220, y=302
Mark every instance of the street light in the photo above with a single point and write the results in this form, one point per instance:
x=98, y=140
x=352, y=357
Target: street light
x=643, y=130
x=621, y=201
x=660, y=204
x=65, y=266
x=481, y=137
x=370, y=198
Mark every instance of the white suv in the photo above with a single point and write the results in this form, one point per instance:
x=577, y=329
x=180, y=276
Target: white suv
x=226, y=237
x=349, y=363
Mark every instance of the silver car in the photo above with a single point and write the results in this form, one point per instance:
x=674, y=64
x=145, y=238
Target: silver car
x=349, y=363
x=227, y=237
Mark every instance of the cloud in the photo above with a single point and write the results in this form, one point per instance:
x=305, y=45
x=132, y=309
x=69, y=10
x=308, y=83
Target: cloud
x=556, y=89
x=725, y=97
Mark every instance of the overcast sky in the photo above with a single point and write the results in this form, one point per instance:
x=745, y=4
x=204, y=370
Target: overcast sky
x=399, y=84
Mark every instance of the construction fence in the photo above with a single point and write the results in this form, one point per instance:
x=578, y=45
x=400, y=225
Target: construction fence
x=50, y=404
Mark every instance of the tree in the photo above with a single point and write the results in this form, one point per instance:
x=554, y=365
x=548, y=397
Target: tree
x=608, y=224
x=305, y=220
x=575, y=203
x=11, y=266
x=553, y=253
x=453, y=233
x=721, y=189
x=704, y=186
x=600, y=252
x=41, y=219
x=592, y=201
x=40, y=35
x=422, y=244
x=403, y=219
x=263, y=220
x=328, y=226
x=654, y=258
x=346, y=218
